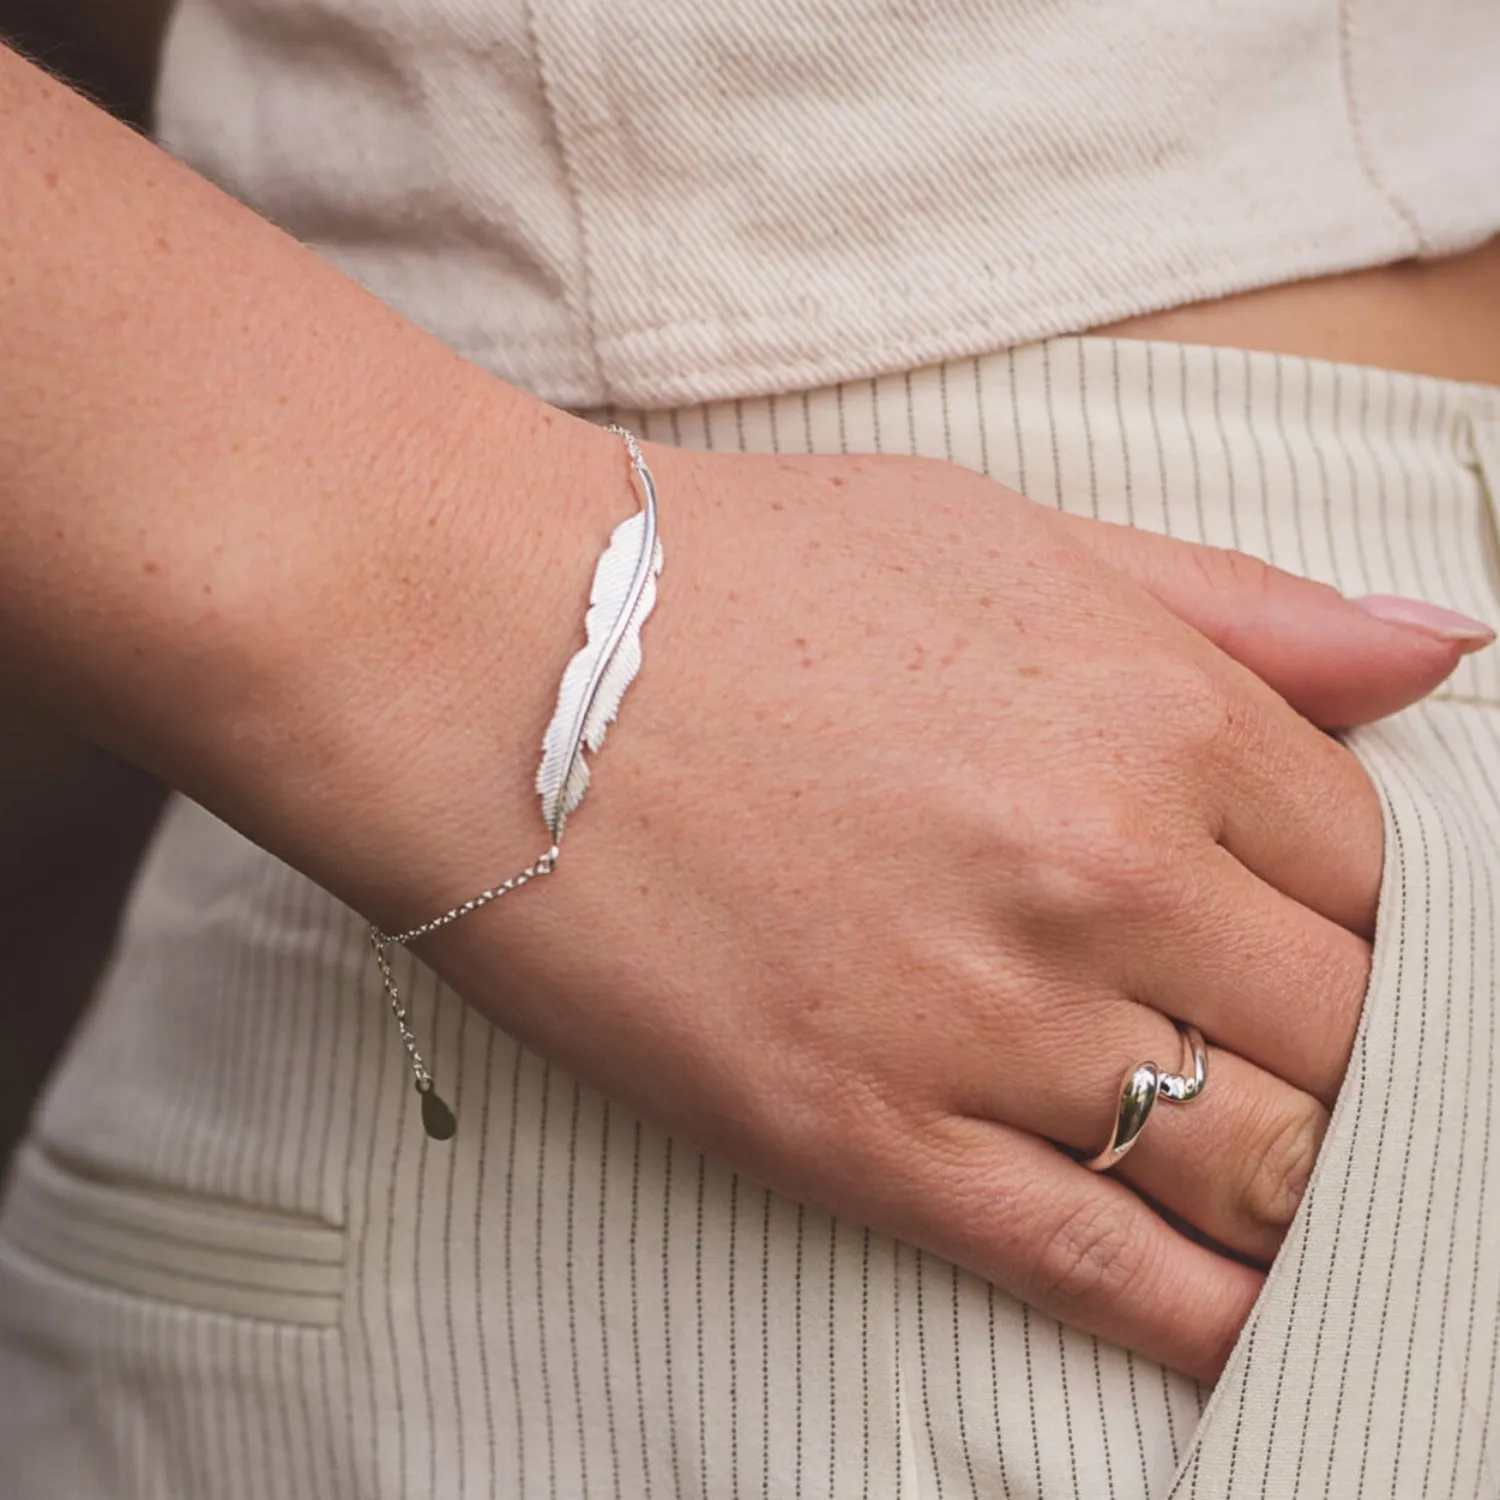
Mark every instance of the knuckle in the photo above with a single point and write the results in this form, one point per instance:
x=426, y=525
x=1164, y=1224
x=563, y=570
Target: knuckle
x=1250, y=577
x=1346, y=982
x=1188, y=695
x=1100, y=863
x=1215, y=718
x=1331, y=975
x=1356, y=802
x=1281, y=1158
x=1091, y=1255
x=1226, y=570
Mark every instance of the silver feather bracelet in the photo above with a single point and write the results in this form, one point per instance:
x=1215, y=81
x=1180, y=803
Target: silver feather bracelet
x=588, y=699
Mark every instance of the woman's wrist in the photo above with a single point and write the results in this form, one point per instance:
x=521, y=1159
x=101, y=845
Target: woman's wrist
x=403, y=704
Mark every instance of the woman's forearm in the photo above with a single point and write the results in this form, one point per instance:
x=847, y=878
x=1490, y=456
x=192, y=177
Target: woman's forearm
x=217, y=455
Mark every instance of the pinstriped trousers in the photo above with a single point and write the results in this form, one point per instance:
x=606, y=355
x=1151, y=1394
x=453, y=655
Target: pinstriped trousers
x=232, y=1265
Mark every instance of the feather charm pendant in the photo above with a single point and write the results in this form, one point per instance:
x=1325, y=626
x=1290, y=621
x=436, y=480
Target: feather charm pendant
x=588, y=699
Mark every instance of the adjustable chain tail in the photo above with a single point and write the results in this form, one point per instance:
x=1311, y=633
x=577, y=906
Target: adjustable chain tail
x=437, y=1118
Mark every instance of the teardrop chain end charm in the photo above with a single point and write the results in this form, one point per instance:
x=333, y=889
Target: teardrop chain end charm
x=437, y=1118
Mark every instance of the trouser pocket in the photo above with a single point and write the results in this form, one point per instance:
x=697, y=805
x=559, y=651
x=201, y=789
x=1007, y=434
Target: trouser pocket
x=1368, y=1366
x=220, y=1257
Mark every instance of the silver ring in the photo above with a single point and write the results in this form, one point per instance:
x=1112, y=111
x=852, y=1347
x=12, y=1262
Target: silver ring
x=1143, y=1085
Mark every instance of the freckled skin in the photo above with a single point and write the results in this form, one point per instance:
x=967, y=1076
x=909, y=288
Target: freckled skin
x=836, y=926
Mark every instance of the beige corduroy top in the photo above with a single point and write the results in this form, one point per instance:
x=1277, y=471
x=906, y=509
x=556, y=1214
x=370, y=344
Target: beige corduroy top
x=651, y=202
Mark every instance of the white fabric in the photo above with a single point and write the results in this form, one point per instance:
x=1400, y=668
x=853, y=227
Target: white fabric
x=563, y=1303
x=664, y=201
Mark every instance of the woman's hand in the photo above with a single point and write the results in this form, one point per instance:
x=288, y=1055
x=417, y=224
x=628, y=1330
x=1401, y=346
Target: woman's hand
x=928, y=810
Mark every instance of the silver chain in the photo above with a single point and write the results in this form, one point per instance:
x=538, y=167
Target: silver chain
x=627, y=437
x=382, y=942
x=544, y=865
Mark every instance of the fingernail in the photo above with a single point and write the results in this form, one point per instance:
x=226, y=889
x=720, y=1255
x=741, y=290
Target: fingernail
x=1430, y=619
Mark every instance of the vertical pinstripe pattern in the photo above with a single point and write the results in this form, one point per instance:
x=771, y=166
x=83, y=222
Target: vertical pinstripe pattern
x=561, y=1303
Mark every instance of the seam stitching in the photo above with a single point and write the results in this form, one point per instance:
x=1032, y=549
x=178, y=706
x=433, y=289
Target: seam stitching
x=1362, y=150
x=584, y=297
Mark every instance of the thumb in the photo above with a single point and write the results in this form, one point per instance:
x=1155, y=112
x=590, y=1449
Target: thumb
x=1339, y=662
